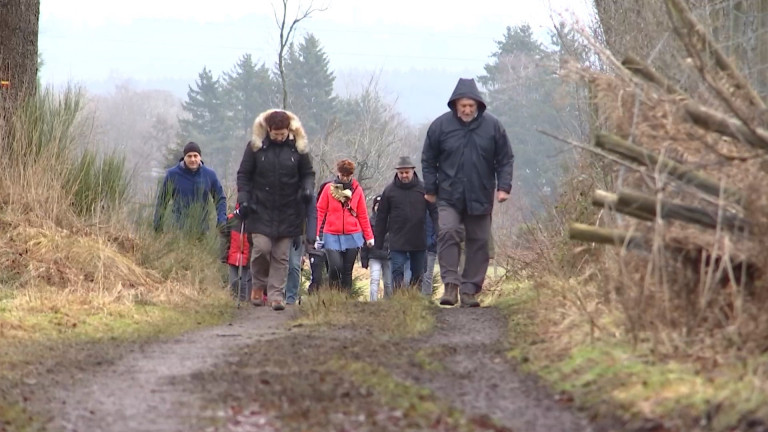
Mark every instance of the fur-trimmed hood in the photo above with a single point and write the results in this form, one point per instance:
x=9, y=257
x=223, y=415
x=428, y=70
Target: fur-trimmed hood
x=295, y=129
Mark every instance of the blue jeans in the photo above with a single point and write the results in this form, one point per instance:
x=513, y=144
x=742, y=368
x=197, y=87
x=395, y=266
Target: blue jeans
x=294, y=274
x=380, y=271
x=429, y=274
x=418, y=263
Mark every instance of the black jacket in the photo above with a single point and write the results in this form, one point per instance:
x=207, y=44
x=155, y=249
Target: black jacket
x=276, y=180
x=378, y=253
x=402, y=214
x=465, y=163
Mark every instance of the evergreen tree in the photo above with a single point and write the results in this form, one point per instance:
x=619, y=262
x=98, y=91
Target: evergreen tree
x=523, y=92
x=310, y=86
x=205, y=121
x=248, y=90
x=518, y=41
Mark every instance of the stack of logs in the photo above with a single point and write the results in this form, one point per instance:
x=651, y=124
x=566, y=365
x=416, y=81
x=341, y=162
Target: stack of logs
x=724, y=211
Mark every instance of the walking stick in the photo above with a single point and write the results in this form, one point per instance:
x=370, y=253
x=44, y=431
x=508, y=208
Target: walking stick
x=240, y=264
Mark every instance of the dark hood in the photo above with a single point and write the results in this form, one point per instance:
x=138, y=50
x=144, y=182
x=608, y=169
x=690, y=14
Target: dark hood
x=466, y=88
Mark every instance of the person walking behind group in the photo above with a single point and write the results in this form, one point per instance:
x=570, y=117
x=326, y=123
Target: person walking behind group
x=401, y=216
x=318, y=263
x=466, y=158
x=190, y=184
x=275, y=181
x=343, y=216
x=238, y=257
x=377, y=259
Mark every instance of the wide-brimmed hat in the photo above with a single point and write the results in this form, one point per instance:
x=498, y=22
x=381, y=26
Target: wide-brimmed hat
x=404, y=162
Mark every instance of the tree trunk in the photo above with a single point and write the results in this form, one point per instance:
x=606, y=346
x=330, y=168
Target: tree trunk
x=18, y=49
x=762, y=50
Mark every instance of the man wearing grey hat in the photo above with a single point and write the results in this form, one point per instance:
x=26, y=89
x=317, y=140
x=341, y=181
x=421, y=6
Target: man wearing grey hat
x=466, y=160
x=402, y=214
x=190, y=184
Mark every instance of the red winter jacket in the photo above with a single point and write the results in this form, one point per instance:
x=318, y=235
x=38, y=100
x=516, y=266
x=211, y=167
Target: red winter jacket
x=239, y=249
x=339, y=220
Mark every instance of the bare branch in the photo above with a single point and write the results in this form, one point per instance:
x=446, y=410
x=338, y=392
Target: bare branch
x=286, y=37
x=695, y=32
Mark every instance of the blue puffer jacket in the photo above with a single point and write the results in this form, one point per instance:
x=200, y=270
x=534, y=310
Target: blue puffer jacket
x=190, y=191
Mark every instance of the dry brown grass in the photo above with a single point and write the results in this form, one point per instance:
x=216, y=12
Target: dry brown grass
x=688, y=312
x=60, y=265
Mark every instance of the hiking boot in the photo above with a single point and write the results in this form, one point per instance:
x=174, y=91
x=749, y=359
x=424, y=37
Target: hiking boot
x=257, y=297
x=469, y=300
x=278, y=305
x=451, y=295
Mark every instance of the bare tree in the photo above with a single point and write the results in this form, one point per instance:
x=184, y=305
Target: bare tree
x=19, y=21
x=643, y=29
x=371, y=132
x=287, y=30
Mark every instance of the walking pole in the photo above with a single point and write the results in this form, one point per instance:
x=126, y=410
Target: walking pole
x=240, y=264
x=301, y=267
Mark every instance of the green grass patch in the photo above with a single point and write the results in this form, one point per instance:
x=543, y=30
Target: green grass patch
x=429, y=359
x=405, y=315
x=424, y=409
x=413, y=400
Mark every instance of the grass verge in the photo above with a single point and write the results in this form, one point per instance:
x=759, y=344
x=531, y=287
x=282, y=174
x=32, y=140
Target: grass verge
x=585, y=355
x=406, y=314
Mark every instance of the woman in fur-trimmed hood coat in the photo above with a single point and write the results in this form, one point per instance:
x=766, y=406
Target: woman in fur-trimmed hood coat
x=276, y=180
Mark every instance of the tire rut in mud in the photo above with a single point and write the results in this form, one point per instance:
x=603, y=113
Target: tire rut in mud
x=457, y=378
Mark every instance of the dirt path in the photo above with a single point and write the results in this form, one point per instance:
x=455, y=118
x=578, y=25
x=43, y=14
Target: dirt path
x=477, y=377
x=141, y=392
x=258, y=374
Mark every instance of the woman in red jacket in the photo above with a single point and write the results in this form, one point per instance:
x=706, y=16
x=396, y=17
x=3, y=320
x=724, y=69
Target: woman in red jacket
x=343, y=216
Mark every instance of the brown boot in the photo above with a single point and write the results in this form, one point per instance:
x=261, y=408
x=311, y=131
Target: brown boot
x=257, y=296
x=469, y=300
x=451, y=295
x=278, y=305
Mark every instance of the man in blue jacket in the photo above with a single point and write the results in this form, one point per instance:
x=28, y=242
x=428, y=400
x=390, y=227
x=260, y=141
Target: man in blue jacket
x=467, y=162
x=190, y=184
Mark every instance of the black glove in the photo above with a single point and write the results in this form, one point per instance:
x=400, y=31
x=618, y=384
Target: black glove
x=243, y=210
x=296, y=242
x=306, y=195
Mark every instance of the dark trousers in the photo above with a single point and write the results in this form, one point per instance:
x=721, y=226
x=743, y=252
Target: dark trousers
x=475, y=232
x=294, y=274
x=418, y=265
x=340, y=264
x=318, y=264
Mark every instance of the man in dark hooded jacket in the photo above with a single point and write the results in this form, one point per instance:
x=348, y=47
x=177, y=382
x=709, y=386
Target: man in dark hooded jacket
x=466, y=160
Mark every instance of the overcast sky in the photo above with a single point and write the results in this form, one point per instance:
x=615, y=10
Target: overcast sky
x=153, y=40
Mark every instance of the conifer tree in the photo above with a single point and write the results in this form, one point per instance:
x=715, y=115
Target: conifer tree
x=248, y=90
x=310, y=85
